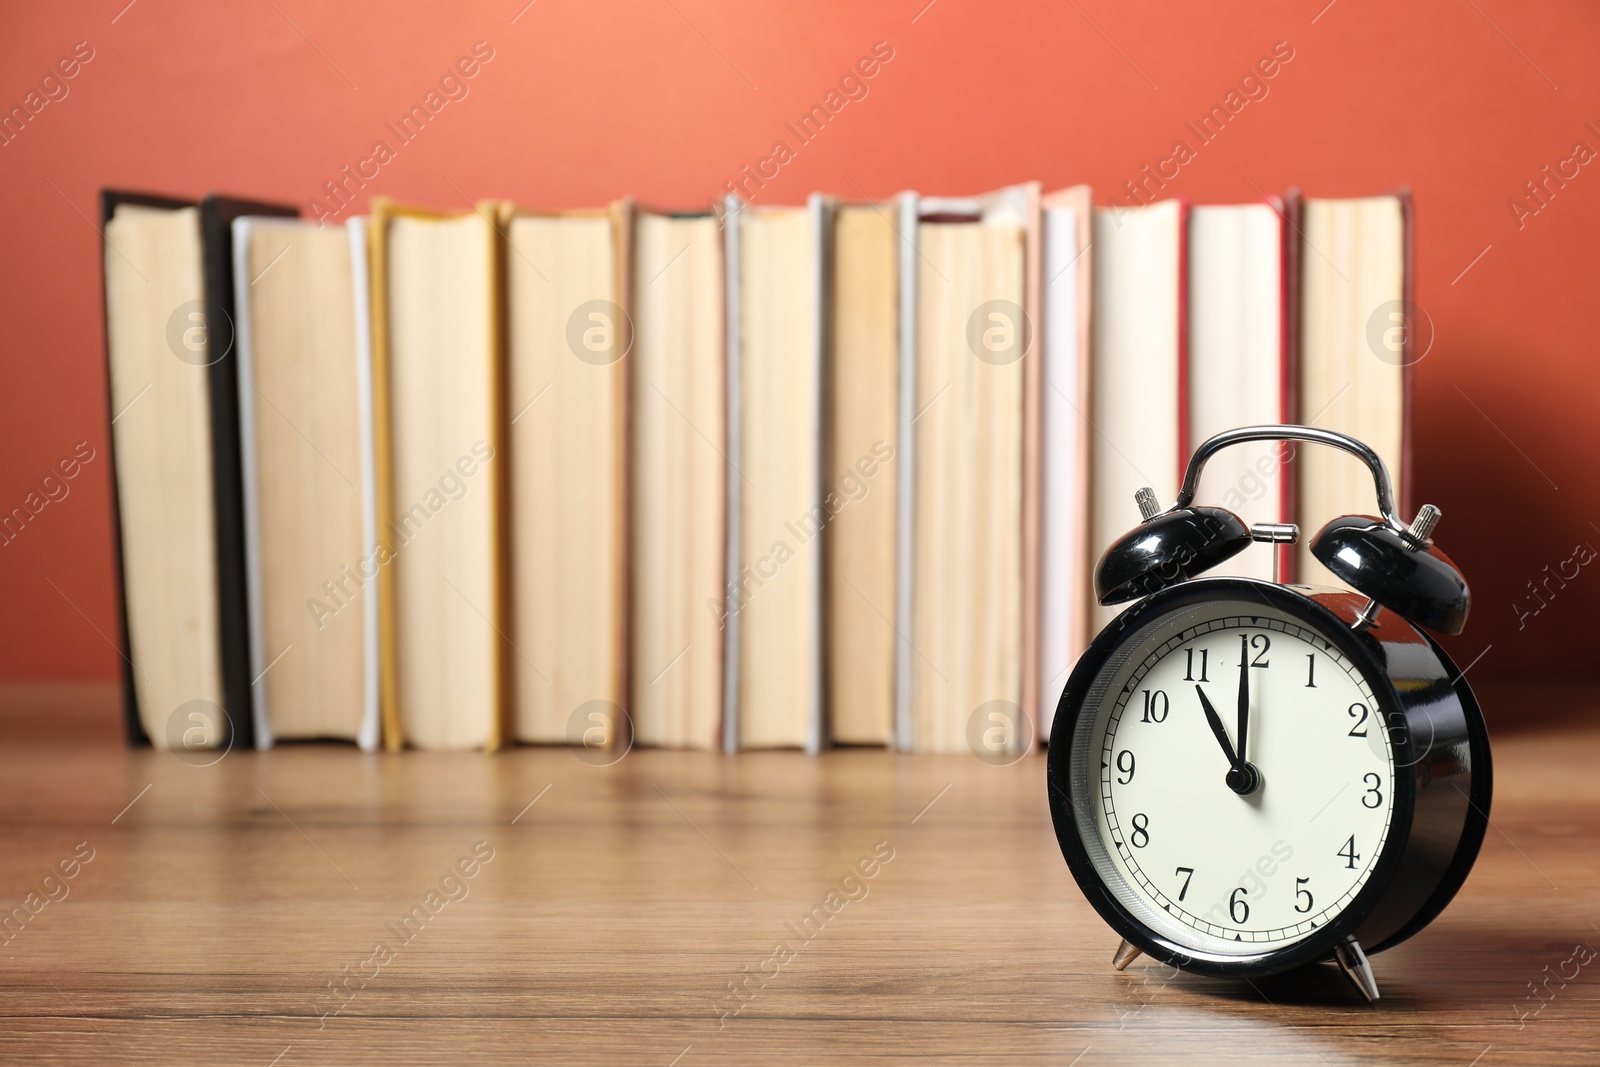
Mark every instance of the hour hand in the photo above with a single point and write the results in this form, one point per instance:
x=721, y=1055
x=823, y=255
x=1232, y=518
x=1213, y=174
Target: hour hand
x=1216, y=728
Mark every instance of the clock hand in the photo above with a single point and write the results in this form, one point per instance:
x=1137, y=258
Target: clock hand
x=1243, y=778
x=1244, y=702
x=1217, y=729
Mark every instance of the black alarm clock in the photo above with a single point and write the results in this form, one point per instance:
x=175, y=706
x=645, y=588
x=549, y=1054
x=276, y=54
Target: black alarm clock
x=1248, y=777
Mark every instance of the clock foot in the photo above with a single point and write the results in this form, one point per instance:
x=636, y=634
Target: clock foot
x=1126, y=954
x=1353, y=962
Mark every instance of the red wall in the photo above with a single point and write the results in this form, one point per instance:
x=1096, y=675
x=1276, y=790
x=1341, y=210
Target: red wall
x=668, y=99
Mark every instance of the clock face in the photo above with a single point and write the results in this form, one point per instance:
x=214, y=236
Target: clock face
x=1235, y=785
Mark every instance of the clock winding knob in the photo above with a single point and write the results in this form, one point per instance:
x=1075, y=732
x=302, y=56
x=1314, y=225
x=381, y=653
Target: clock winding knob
x=1149, y=506
x=1422, y=526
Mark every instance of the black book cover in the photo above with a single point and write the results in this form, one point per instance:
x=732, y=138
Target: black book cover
x=216, y=233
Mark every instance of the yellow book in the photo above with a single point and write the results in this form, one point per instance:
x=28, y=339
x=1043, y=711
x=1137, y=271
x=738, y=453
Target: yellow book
x=863, y=435
x=439, y=441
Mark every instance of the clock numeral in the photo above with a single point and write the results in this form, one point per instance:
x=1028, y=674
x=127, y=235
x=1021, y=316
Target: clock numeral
x=1188, y=674
x=1141, y=830
x=1156, y=706
x=1349, y=853
x=1125, y=764
x=1261, y=643
x=1360, y=728
x=1188, y=876
x=1311, y=670
x=1236, y=905
x=1299, y=892
x=1372, y=790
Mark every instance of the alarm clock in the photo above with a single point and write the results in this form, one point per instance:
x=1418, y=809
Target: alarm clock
x=1248, y=777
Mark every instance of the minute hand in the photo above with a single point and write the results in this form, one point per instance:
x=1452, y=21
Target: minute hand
x=1242, y=755
x=1217, y=729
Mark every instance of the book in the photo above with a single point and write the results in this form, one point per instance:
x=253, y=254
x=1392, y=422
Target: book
x=778, y=507
x=1356, y=358
x=863, y=455
x=439, y=392
x=679, y=478
x=965, y=333
x=1066, y=580
x=172, y=380
x=567, y=342
x=1240, y=367
x=1139, y=376
x=305, y=427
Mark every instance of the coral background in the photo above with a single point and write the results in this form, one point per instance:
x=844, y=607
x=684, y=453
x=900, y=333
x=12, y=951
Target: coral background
x=667, y=100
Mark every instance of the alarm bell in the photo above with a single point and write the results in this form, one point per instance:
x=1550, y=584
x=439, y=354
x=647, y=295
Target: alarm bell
x=1168, y=548
x=1405, y=574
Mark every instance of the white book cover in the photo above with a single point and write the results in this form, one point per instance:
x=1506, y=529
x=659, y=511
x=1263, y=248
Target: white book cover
x=1137, y=401
x=1066, y=589
x=1237, y=369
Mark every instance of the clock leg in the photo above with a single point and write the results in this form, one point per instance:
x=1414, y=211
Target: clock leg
x=1126, y=954
x=1353, y=962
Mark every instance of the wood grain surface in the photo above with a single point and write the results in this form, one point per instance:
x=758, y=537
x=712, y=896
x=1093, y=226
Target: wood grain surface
x=618, y=903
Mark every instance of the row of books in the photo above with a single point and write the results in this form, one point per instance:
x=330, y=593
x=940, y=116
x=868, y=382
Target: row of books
x=776, y=477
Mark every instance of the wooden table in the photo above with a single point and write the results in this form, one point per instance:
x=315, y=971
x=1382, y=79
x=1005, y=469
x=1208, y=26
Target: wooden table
x=622, y=903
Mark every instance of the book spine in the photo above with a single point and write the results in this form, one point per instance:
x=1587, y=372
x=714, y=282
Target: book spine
x=907, y=209
x=1082, y=611
x=821, y=213
x=222, y=378
x=500, y=728
x=1288, y=469
x=1183, y=344
x=622, y=222
x=1032, y=451
x=1406, y=493
x=735, y=501
x=383, y=481
x=244, y=327
x=370, y=732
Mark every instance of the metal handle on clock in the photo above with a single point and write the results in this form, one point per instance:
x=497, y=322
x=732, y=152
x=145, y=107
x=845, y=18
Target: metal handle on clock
x=1213, y=445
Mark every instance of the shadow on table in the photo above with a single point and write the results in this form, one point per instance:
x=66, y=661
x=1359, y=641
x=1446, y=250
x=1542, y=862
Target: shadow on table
x=1447, y=967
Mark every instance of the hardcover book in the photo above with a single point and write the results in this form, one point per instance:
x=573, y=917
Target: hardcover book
x=439, y=436
x=1140, y=374
x=305, y=404
x=1356, y=356
x=172, y=376
x=679, y=479
x=568, y=344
